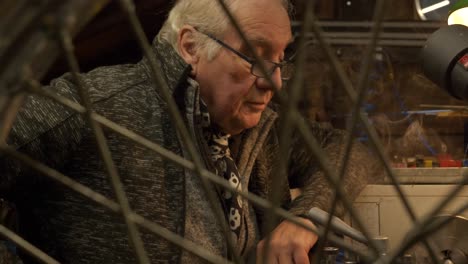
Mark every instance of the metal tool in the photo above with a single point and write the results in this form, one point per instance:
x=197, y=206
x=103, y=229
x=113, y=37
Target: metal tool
x=320, y=217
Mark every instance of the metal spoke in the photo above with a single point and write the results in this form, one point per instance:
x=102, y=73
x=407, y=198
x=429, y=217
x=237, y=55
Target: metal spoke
x=285, y=133
x=8, y=112
x=420, y=232
x=33, y=36
x=113, y=206
x=15, y=82
x=346, y=83
x=100, y=199
x=35, y=87
x=161, y=85
x=361, y=93
x=104, y=151
x=304, y=130
x=28, y=247
x=419, y=228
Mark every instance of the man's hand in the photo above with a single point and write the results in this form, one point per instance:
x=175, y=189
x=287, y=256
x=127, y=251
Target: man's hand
x=289, y=243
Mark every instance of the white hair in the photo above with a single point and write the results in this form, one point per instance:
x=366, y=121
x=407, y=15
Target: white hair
x=205, y=15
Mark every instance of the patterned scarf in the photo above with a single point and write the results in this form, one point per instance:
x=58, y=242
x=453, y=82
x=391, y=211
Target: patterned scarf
x=225, y=166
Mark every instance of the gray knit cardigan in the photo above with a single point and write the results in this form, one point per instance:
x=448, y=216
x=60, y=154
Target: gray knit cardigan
x=74, y=229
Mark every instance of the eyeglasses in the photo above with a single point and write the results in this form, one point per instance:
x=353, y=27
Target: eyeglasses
x=286, y=67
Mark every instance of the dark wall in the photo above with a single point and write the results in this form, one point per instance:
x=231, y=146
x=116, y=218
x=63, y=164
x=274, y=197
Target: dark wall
x=108, y=38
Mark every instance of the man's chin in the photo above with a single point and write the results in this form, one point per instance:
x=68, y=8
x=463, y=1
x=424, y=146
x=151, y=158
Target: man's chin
x=251, y=121
x=238, y=125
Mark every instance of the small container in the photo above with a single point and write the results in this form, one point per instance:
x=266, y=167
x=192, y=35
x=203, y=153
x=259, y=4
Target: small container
x=419, y=161
x=329, y=255
x=411, y=162
x=408, y=259
x=428, y=163
x=382, y=244
x=350, y=258
x=465, y=163
x=398, y=162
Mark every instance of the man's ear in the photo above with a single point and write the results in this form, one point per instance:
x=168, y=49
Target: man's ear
x=186, y=43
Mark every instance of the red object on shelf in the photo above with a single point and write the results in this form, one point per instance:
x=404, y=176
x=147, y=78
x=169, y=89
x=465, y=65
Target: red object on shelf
x=446, y=160
x=450, y=163
x=444, y=157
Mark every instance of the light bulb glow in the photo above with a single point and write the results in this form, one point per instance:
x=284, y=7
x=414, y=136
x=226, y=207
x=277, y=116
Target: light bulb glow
x=459, y=17
x=435, y=6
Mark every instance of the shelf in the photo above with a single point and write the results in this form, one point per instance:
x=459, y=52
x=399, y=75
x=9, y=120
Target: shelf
x=429, y=175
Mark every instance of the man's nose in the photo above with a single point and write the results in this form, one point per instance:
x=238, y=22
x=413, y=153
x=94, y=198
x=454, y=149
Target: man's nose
x=264, y=83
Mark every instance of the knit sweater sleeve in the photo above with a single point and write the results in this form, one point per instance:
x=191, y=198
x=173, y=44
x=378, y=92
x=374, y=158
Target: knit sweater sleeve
x=45, y=131
x=306, y=174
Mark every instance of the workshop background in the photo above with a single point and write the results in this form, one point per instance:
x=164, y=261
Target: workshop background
x=395, y=92
x=423, y=129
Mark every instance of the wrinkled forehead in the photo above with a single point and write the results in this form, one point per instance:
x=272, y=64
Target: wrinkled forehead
x=264, y=22
x=263, y=40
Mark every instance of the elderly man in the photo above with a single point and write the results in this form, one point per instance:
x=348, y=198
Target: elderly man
x=224, y=99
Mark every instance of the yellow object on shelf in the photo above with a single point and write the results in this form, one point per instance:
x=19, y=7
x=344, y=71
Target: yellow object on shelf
x=428, y=163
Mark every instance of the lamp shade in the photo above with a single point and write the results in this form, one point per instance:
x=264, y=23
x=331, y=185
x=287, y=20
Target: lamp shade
x=444, y=58
x=459, y=13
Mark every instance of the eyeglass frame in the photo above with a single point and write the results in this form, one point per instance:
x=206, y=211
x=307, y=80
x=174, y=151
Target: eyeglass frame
x=251, y=61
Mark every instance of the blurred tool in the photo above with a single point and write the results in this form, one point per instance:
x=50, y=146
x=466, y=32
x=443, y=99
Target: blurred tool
x=382, y=244
x=329, y=255
x=320, y=217
x=452, y=239
x=442, y=110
